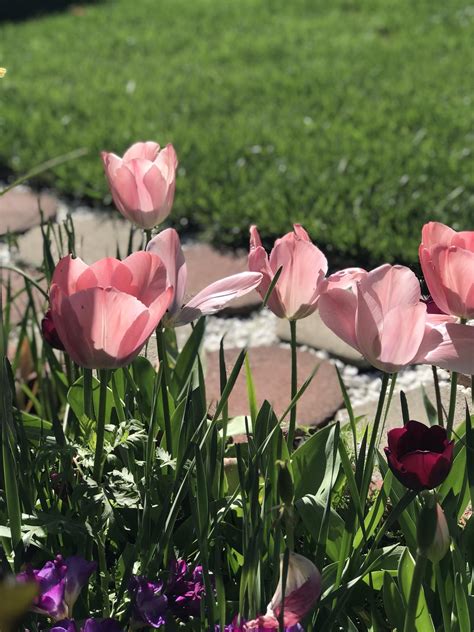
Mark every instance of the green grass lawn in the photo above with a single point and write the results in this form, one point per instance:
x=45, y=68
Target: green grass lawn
x=352, y=117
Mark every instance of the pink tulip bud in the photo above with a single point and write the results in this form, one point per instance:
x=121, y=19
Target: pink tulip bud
x=303, y=267
x=447, y=261
x=142, y=183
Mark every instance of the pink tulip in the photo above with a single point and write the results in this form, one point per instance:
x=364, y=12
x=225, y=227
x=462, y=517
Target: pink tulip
x=303, y=265
x=208, y=301
x=142, y=183
x=104, y=313
x=302, y=591
x=384, y=318
x=447, y=260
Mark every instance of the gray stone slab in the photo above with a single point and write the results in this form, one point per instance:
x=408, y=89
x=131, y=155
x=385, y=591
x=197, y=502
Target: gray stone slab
x=311, y=331
x=20, y=209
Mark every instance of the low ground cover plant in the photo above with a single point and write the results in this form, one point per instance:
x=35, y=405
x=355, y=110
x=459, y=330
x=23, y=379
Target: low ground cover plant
x=351, y=118
x=124, y=501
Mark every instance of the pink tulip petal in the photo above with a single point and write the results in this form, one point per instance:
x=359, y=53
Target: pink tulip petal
x=401, y=336
x=338, y=309
x=168, y=247
x=456, y=350
x=167, y=163
x=67, y=325
x=303, y=267
x=143, y=151
x=302, y=590
x=436, y=234
x=258, y=262
x=67, y=273
x=216, y=295
x=159, y=306
x=432, y=279
x=457, y=275
x=464, y=239
x=344, y=279
x=102, y=274
x=147, y=276
x=113, y=326
x=301, y=233
x=391, y=286
x=255, y=241
x=125, y=193
x=158, y=190
x=111, y=163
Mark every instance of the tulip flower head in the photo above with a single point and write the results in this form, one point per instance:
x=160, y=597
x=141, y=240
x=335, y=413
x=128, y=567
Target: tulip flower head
x=419, y=456
x=303, y=267
x=383, y=317
x=447, y=261
x=302, y=590
x=208, y=301
x=90, y=625
x=104, y=313
x=142, y=183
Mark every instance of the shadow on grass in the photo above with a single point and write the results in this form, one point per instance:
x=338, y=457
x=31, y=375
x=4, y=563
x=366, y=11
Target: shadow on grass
x=19, y=10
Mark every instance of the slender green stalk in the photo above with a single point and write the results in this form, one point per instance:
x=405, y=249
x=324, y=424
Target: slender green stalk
x=445, y=609
x=87, y=391
x=410, y=615
x=439, y=403
x=294, y=386
x=164, y=390
x=104, y=578
x=452, y=403
x=100, y=433
x=146, y=237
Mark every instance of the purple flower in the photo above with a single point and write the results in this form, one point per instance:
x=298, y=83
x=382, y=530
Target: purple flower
x=78, y=572
x=101, y=625
x=243, y=627
x=185, y=589
x=52, y=585
x=60, y=582
x=66, y=625
x=90, y=625
x=149, y=604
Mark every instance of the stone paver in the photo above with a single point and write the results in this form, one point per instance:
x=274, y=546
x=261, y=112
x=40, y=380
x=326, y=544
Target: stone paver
x=19, y=209
x=416, y=407
x=311, y=331
x=271, y=374
x=97, y=236
x=206, y=265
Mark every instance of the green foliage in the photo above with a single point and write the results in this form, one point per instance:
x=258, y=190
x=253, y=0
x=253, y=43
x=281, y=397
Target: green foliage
x=354, y=118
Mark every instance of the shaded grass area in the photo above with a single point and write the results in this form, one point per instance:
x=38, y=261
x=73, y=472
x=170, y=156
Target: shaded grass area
x=354, y=118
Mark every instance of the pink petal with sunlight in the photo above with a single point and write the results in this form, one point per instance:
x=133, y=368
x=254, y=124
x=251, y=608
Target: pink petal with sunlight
x=67, y=272
x=168, y=247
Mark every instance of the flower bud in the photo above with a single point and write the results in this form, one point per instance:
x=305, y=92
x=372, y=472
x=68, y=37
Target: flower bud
x=432, y=531
x=285, y=483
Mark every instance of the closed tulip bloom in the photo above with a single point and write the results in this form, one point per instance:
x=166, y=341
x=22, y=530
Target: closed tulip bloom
x=209, y=300
x=104, y=313
x=302, y=591
x=303, y=268
x=142, y=183
x=383, y=317
x=447, y=261
x=419, y=456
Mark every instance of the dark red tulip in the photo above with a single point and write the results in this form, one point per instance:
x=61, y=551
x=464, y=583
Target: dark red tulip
x=50, y=333
x=419, y=456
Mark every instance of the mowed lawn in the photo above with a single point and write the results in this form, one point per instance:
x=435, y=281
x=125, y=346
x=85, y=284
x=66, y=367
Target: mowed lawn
x=354, y=118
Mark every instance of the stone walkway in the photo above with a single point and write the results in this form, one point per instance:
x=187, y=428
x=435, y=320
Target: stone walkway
x=244, y=323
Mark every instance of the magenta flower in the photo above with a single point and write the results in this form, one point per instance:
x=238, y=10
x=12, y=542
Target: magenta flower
x=185, y=589
x=149, y=604
x=66, y=625
x=90, y=625
x=243, y=626
x=60, y=582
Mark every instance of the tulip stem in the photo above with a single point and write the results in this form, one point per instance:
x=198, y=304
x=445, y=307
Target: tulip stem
x=294, y=386
x=164, y=390
x=439, y=403
x=87, y=392
x=147, y=234
x=410, y=616
x=100, y=432
x=452, y=404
